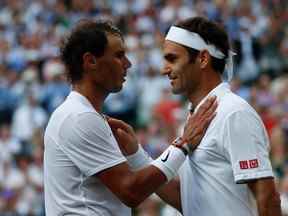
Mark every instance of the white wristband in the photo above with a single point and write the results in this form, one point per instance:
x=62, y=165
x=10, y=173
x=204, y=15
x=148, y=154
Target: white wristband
x=170, y=161
x=139, y=160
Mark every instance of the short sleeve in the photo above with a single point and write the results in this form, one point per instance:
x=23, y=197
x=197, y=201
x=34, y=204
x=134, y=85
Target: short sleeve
x=89, y=143
x=246, y=146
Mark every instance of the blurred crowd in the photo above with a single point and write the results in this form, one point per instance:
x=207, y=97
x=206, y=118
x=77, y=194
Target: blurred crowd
x=32, y=81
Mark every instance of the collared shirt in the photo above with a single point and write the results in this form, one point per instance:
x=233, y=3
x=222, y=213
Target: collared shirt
x=79, y=144
x=234, y=150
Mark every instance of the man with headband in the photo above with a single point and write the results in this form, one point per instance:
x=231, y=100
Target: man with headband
x=230, y=172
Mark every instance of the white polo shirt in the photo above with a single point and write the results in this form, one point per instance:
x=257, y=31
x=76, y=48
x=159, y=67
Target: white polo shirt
x=78, y=144
x=234, y=150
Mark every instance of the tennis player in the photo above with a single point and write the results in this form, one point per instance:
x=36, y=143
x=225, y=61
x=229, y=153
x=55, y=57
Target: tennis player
x=229, y=174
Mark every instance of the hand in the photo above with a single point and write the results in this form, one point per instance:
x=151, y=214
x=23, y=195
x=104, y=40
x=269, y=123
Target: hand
x=198, y=123
x=125, y=136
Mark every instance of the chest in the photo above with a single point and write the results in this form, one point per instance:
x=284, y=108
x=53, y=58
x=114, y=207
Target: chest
x=210, y=153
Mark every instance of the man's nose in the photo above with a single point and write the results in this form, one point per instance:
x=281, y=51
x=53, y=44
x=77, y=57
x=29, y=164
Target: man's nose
x=127, y=63
x=165, y=70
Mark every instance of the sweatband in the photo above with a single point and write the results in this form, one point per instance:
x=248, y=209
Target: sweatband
x=139, y=159
x=192, y=40
x=170, y=161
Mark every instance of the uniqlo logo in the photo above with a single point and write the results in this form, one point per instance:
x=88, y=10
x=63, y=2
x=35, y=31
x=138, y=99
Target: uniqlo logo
x=243, y=164
x=253, y=163
x=248, y=164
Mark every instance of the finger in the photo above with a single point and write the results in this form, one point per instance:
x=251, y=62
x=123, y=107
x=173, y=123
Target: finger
x=115, y=123
x=210, y=118
x=121, y=133
x=206, y=105
x=199, y=131
x=121, y=136
x=214, y=106
x=210, y=111
x=107, y=117
x=209, y=103
x=206, y=122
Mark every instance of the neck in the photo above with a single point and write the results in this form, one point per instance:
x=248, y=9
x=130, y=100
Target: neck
x=95, y=96
x=207, y=84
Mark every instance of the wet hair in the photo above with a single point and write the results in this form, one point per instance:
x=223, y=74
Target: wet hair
x=212, y=33
x=86, y=36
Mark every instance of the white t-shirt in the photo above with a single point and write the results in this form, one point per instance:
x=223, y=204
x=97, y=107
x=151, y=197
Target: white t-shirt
x=78, y=144
x=234, y=150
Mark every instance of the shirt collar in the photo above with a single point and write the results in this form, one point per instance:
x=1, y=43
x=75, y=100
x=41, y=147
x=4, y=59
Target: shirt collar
x=79, y=97
x=219, y=91
x=82, y=99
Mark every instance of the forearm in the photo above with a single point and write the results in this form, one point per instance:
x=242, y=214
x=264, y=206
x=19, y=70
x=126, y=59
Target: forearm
x=142, y=183
x=170, y=193
x=168, y=164
x=133, y=186
x=267, y=198
x=269, y=206
x=142, y=186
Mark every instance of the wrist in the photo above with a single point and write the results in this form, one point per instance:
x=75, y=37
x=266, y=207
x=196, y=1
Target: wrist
x=139, y=159
x=183, y=144
x=170, y=161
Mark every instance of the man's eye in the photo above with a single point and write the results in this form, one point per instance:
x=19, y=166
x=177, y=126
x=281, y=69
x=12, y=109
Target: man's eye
x=171, y=59
x=120, y=55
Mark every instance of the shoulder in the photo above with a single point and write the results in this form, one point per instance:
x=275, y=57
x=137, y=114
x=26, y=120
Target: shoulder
x=85, y=122
x=232, y=107
x=72, y=115
x=232, y=103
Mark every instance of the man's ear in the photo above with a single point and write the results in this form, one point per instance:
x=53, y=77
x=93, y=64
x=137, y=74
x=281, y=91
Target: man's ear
x=204, y=58
x=94, y=61
x=89, y=58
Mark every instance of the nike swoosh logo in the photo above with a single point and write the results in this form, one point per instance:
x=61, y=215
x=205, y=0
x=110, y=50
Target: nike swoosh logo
x=166, y=158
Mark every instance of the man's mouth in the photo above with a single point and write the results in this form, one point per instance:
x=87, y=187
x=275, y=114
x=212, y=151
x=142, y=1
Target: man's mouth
x=172, y=78
x=124, y=78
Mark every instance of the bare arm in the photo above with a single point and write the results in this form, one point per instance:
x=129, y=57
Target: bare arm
x=268, y=200
x=132, y=187
x=170, y=193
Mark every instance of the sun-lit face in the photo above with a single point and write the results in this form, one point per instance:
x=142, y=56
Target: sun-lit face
x=183, y=74
x=111, y=68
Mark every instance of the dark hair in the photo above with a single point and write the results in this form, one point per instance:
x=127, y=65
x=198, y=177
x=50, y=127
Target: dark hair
x=212, y=33
x=86, y=36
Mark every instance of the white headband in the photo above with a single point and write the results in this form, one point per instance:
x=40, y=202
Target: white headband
x=195, y=41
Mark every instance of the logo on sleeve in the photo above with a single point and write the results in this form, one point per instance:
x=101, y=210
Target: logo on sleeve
x=253, y=163
x=166, y=157
x=243, y=164
x=249, y=164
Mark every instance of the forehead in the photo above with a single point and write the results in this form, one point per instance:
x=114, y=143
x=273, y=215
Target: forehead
x=173, y=47
x=115, y=42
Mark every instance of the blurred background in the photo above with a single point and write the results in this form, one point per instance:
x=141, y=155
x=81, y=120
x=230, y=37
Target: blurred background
x=32, y=81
